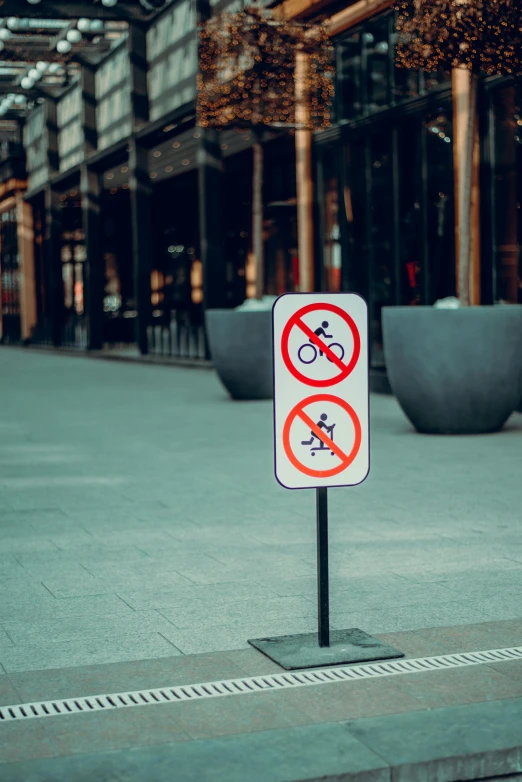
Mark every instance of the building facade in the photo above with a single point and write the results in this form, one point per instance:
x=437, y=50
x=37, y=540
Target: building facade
x=139, y=220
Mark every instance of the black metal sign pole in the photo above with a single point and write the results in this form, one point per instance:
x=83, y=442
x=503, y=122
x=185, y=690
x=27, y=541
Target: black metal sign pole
x=322, y=567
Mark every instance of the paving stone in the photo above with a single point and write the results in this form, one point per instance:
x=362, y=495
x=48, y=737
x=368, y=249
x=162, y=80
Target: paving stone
x=53, y=609
x=71, y=626
x=125, y=676
x=9, y=694
x=89, y=651
x=459, y=638
x=435, y=689
x=412, y=616
x=230, y=636
x=22, y=742
x=78, y=584
x=512, y=669
x=489, y=735
x=135, y=727
x=217, y=593
x=252, y=662
x=204, y=613
x=352, y=699
x=304, y=753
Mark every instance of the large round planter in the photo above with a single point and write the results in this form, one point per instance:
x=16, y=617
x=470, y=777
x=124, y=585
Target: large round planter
x=241, y=350
x=455, y=371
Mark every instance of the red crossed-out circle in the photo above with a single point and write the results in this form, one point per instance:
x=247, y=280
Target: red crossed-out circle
x=295, y=320
x=298, y=412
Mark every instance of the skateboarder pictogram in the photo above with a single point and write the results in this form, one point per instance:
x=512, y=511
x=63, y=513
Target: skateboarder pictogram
x=321, y=424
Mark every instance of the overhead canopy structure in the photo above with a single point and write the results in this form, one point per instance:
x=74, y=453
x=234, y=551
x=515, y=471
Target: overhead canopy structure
x=43, y=43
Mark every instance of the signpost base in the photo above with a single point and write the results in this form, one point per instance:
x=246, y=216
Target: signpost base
x=303, y=651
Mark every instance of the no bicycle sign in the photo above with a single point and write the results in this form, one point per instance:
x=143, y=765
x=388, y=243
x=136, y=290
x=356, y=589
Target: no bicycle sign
x=321, y=390
x=321, y=423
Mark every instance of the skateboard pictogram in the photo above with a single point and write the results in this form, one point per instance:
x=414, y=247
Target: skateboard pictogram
x=322, y=431
x=316, y=346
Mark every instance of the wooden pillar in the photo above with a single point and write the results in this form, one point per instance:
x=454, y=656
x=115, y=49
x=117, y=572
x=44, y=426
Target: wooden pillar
x=94, y=267
x=142, y=238
x=304, y=178
x=25, y=236
x=460, y=87
x=53, y=263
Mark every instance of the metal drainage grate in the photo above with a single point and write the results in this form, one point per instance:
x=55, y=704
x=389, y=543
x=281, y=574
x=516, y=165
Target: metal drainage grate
x=279, y=681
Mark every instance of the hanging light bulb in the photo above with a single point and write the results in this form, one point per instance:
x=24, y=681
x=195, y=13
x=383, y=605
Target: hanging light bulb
x=34, y=74
x=96, y=25
x=4, y=33
x=19, y=99
x=27, y=83
x=84, y=25
x=42, y=66
x=74, y=36
x=109, y=3
x=33, y=2
x=12, y=22
x=64, y=47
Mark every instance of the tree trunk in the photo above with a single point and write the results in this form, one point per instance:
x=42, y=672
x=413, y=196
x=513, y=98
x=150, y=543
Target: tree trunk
x=465, y=191
x=257, y=215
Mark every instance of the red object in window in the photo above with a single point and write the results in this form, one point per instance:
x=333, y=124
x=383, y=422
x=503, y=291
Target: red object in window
x=411, y=268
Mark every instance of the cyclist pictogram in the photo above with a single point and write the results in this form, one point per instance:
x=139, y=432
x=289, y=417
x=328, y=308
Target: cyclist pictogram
x=323, y=345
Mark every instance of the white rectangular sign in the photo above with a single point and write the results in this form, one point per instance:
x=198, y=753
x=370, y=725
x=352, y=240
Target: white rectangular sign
x=321, y=402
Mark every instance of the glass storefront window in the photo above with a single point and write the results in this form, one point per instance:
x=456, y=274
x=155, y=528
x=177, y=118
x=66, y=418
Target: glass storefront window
x=376, y=56
x=381, y=235
x=440, y=217
x=399, y=214
x=9, y=277
x=332, y=252
x=349, y=77
x=368, y=79
x=507, y=193
x=406, y=82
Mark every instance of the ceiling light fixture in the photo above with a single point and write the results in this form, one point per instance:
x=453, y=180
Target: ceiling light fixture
x=64, y=47
x=74, y=36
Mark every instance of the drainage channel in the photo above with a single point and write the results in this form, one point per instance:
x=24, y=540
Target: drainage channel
x=279, y=681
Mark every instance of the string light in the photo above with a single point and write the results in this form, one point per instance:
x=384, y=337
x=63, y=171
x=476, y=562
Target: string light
x=247, y=71
x=481, y=35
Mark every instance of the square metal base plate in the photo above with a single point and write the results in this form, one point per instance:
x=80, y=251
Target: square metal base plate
x=303, y=651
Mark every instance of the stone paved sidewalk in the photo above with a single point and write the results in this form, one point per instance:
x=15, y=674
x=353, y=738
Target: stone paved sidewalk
x=139, y=519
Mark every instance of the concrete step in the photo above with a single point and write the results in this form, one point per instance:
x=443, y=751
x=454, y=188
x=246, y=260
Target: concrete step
x=473, y=742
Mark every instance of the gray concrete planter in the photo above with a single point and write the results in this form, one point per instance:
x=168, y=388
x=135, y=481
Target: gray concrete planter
x=455, y=371
x=241, y=349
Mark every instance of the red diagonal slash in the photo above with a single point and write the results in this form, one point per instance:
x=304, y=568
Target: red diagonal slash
x=320, y=344
x=322, y=435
